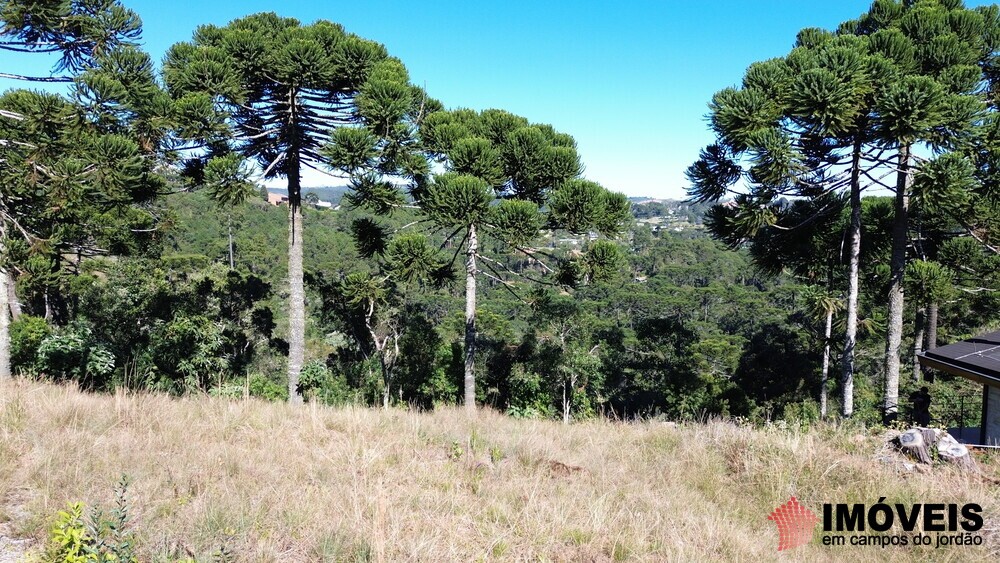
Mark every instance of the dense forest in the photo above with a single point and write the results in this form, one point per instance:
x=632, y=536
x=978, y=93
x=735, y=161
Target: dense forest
x=470, y=261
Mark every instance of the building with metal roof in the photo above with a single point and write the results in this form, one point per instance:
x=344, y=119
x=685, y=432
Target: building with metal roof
x=977, y=359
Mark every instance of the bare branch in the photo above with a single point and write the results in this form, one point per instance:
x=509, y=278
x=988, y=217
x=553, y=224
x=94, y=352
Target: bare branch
x=35, y=78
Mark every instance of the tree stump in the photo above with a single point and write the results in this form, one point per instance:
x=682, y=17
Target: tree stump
x=950, y=450
x=918, y=444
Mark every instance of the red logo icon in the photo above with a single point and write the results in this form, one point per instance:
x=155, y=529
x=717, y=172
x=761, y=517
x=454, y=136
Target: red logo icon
x=795, y=524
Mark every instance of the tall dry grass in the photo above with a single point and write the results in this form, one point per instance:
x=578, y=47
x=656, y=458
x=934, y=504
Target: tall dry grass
x=276, y=483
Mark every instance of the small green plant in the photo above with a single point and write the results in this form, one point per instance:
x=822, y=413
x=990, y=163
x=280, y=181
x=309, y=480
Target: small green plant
x=496, y=454
x=499, y=548
x=113, y=539
x=223, y=555
x=455, y=451
x=578, y=537
x=620, y=551
x=101, y=538
x=68, y=536
x=475, y=441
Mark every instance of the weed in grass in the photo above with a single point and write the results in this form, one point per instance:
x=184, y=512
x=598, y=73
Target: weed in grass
x=620, y=551
x=13, y=413
x=499, y=548
x=578, y=537
x=338, y=547
x=99, y=538
x=455, y=451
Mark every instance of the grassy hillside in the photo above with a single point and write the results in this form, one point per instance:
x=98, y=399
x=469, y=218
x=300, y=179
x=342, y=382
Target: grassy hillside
x=275, y=483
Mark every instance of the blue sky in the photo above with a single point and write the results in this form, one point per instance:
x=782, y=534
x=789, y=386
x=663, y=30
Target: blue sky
x=629, y=80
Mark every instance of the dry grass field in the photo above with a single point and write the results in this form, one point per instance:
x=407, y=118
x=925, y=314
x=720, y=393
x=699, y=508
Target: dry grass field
x=275, y=483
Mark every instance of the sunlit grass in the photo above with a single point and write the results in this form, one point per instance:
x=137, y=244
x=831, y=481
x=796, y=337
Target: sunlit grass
x=275, y=483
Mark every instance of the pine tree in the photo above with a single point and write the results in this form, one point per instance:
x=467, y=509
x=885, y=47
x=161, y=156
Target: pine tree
x=798, y=127
x=506, y=181
x=934, y=103
x=78, y=31
x=285, y=88
x=902, y=75
x=503, y=174
x=71, y=169
x=228, y=182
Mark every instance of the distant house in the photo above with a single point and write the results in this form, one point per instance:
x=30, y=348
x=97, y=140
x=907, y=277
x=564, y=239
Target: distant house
x=276, y=199
x=324, y=204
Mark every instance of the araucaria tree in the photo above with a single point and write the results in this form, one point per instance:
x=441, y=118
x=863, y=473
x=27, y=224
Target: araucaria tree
x=847, y=109
x=285, y=88
x=69, y=168
x=933, y=50
x=507, y=180
x=77, y=31
x=797, y=127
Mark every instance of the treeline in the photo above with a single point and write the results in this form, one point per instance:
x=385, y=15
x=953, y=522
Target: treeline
x=705, y=333
x=471, y=263
x=690, y=340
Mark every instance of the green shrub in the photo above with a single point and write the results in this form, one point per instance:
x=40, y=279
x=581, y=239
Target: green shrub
x=528, y=396
x=71, y=353
x=803, y=413
x=26, y=335
x=320, y=384
x=228, y=390
x=68, y=537
x=443, y=378
x=312, y=376
x=100, y=538
x=263, y=387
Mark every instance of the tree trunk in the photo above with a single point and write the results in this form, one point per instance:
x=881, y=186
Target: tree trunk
x=854, y=259
x=232, y=263
x=565, y=403
x=48, y=306
x=918, y=341
x=11, y=289
x=296, y=285
x=824, y=377
x=894, y=332
x=470, y=319
x=386, y=380
x=932, y=324
x=4, y=327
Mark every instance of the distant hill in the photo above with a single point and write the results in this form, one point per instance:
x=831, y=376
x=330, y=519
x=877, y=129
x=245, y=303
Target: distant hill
x=332, y=194
x=642, y=207
x=647, y=199
x=672, y=210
